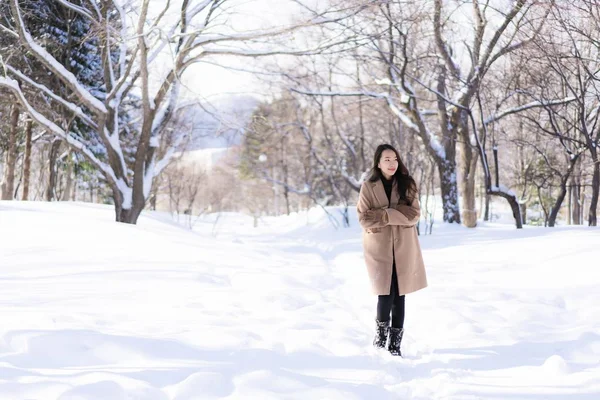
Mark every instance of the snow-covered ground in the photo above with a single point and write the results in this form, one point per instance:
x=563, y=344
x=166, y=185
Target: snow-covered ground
x=91, y=309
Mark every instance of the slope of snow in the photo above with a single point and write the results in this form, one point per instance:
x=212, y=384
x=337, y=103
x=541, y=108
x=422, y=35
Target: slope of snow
x=92, y=309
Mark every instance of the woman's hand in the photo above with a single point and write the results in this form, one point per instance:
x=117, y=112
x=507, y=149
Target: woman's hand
x=408, y=211
x=376, y=215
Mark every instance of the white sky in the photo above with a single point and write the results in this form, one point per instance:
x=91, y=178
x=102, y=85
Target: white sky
x=208, y=81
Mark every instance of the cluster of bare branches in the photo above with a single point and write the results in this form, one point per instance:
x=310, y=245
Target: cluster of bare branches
x=482, y=98
x=130, y=39
x=501, y=99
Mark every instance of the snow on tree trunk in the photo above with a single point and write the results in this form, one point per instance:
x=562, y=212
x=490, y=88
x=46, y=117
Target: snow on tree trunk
x=447, y=171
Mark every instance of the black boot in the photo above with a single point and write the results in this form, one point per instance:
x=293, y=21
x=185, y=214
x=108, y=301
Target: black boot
x=395, y=340
x=381, y=334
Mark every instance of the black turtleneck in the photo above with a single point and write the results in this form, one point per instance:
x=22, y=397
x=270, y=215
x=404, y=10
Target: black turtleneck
x=387, y=185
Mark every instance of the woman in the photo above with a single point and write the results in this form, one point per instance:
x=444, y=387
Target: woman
x=388, y=210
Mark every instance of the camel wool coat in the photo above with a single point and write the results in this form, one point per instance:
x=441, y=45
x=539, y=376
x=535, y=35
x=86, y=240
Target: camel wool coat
x=396, y=239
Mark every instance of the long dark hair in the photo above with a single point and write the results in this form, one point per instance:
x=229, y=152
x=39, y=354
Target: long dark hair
x=407, y=187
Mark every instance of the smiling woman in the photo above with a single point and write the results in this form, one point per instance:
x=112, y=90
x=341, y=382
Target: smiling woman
x=388, y=210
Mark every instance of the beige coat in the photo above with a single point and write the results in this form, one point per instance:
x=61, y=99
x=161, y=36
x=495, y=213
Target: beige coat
x=398, y=239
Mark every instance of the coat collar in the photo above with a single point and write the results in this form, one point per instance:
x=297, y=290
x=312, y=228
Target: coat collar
x=380, y=195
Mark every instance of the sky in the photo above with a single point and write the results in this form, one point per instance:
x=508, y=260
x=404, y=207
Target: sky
x=209, y=81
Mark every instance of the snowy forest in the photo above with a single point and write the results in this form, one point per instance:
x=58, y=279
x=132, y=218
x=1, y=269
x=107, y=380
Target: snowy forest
x=188, y=212
x=488, y=102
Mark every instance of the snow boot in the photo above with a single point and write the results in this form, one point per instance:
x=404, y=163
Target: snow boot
x=381, y=334
x=395, y=340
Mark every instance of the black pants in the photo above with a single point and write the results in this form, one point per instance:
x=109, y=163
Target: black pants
x=392, y=302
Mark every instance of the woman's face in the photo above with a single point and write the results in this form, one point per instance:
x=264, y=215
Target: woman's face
x=388, y=163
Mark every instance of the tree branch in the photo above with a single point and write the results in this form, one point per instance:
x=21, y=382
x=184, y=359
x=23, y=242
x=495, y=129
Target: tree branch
x=50, y=62
x=13, y=86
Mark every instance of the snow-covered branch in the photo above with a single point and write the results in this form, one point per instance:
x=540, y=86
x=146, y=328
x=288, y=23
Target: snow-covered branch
x=516, y=8
x=226, y=51
x=94, y=5
x=67, y=104
x=441, y=44
x=12, y=33
x=13, y=86
x=79, y=10
x=197, y=9
x=351, y=180
x=406, y=120
x=533, y=104
x=161, y=164
x=340, y=94
x=247, y=36
x=53, y=65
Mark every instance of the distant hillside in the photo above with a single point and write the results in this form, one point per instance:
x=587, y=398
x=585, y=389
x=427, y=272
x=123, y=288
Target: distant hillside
x=221, y=124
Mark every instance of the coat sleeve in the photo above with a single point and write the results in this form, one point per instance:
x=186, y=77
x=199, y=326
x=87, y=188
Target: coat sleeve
x=395, y=217
x=364, y=204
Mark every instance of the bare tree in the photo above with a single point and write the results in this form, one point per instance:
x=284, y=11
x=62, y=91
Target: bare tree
x=427, y=88
x=568, y=65
x=8, y=182
x=129, y=52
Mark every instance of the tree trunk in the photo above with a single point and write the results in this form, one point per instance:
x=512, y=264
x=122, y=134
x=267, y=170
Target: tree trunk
x=576, y=203
x=523, y=207
x=486, y=216
x=496, y=191
x=346, y=216
x=447, y=171
x=582, y=197
x=126, y=215
x=27, y=161
x=541, y=200
x=576, y=194
x=562, y=193
x=570, y=205
x=74, y=194
x=286, y=191
x=554, y=212
x=467, y=165
x=467, y=184
x=496, y=169
x=8, y=186
x=592, y=220
x=154, y=193
x=50, y=192
x=152, y=201
x=66, y=195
